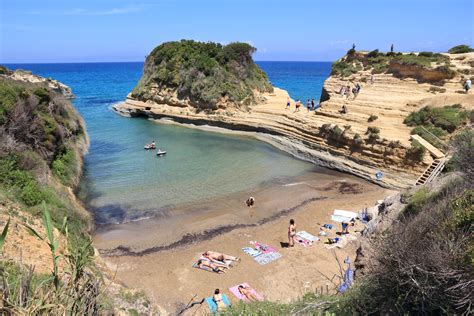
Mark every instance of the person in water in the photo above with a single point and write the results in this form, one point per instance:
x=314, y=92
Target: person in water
x=217, y=256
x=247, y=293
x=345, y=226
x=250, y=201
x=218, y=299
x=207, y=264
x=291, y=233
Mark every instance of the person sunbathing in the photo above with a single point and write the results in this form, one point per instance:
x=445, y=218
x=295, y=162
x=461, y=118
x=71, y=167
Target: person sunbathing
x=247, y=293
x=218, y=299
x=217, y=256
x=206, y=264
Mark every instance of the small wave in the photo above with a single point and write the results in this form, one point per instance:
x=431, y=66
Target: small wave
x=293, y=184
x=111, y=105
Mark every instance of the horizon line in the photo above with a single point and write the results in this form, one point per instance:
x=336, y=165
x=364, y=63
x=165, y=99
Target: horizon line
x=134, y=61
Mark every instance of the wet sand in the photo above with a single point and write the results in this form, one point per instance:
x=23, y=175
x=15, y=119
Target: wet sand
x=156, y=255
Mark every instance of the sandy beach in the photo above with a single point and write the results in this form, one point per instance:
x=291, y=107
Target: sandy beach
x=156, y=255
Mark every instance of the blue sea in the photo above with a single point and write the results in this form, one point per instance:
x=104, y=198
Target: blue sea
x=123, y=182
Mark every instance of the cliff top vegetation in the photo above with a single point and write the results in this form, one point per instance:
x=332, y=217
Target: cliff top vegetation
x=209, y=75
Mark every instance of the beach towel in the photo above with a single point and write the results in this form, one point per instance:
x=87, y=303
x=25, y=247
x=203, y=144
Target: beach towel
x=213, y=306
x=266, y=258
x=302, y=242
x=264, y=248
x=305, y=235
x=251, y=251
x=235, y=290
x=340, y=219
x=195, y=265
x=345, y=213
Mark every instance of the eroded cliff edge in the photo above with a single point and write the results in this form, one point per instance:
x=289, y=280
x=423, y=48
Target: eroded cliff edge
x=369, y=137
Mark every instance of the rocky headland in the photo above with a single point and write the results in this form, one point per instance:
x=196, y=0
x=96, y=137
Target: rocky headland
x=368, y=137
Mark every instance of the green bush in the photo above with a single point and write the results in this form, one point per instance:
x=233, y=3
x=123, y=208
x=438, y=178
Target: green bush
x=372, y=130
x=448, y=118
x=31, y=194
x=64, y=167
x=416, y=152
x=460, y=49
x=204, y=73
x=373, y=53
x=372, y=118
x=425, y=54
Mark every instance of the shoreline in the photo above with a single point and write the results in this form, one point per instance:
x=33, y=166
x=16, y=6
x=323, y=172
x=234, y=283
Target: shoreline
x=269, y=123
x=208, y=218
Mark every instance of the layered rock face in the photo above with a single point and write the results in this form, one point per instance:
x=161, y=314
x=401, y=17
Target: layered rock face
x=368, y=138
x=27, y=76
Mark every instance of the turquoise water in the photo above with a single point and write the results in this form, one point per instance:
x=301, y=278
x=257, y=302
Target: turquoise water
x=124, y=182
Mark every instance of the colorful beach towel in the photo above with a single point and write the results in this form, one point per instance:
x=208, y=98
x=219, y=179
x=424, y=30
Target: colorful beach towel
x=195, y=265
x=213, y=306
x=307, y=236
x=266, y=258
x=264, y=248
x=251, y=251
x=302, y=242
x=235, y=290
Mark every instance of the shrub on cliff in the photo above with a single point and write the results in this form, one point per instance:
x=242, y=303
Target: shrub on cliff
x=460, y=49
x=206, y=74
x=447, y=118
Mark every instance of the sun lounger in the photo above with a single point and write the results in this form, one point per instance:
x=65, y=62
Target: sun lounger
x=213, y=306
x=235, y=290
x=307, y=236
x=345, y=213
x=340, y=219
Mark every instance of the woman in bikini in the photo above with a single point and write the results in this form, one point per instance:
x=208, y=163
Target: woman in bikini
x=291, y=233
x=247, y=293
x=207, y=264
x=218, y=300
x=217, y=256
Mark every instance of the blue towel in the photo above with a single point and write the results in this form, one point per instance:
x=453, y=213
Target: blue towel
x=213, y=306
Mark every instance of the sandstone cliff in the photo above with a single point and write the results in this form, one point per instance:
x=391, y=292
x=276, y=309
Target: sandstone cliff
x=370, y=137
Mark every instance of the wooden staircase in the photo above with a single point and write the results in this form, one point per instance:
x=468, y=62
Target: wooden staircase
x=432, y=171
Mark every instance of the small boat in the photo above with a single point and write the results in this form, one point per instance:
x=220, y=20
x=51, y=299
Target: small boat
x=149, y=146
x=161, y=152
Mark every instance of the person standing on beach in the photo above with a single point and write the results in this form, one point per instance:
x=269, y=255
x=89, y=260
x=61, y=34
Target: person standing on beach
x=467, y=85
x=288, y=103
x=291, y=233
x=308, y=105
x=297, y=106
x=372, y=78
x=312, y=104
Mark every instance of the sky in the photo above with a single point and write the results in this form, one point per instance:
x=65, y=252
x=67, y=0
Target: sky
x=43, y=31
